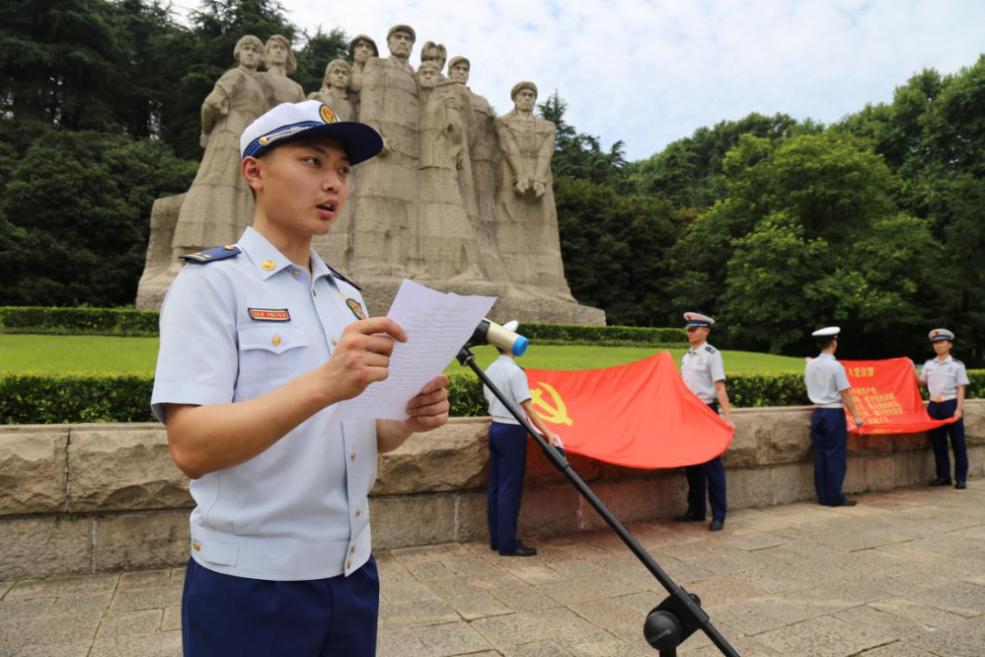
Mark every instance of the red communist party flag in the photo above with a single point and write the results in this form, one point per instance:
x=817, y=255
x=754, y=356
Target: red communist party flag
x=887, y=397
x=639, y=415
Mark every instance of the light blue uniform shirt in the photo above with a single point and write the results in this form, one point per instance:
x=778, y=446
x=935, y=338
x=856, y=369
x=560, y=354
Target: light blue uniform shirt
x=299, y=509
x=512, y=382
x=825, y=378
x=942, y=378
x=701, y=367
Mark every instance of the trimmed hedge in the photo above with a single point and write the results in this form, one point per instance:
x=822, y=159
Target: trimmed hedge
x=35, y=399
x=78, y=321
x=123, y=321
x=38, y=399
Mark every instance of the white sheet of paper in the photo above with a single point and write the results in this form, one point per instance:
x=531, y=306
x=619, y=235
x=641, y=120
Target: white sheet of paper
x=438, y=324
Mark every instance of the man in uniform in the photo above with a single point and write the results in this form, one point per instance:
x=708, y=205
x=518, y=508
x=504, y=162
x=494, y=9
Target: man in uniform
x=508, y=452
x=259, y=341
x=946, y=378
x=704, y=374
x=830, y=392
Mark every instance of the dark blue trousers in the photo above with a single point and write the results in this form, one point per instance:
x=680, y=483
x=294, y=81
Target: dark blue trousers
x=507, y=465
x=829, y=438
x=707, y=479
x=226, y=616
x=939, y=436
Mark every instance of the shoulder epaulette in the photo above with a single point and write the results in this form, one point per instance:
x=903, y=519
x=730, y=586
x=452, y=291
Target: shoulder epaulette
x=213, y=254
x=956, y=360
x=709, y=349
x=341, y=277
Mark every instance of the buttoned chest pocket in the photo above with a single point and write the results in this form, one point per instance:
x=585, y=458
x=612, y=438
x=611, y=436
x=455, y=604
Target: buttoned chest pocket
x=270, y=355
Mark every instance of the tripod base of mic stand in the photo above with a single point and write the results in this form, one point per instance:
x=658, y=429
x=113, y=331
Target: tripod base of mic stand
x=669, y=624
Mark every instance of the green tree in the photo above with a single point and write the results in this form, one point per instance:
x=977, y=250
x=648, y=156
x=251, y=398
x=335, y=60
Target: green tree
x=76, y=208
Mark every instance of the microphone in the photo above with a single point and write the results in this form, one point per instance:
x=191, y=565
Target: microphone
x=502, y=336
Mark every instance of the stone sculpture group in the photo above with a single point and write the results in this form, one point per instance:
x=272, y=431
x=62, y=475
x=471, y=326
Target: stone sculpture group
x=459, y=199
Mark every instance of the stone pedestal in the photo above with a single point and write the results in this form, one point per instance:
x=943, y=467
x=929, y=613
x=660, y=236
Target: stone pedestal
x=160, y=267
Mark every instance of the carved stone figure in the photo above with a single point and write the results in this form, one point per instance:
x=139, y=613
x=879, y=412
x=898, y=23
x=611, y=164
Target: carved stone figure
x=280, y=63
x=334, y=89
x=361, y=49
x=219, y=205
x=384, y=197
x=447, y=236
x=436, y=53
x=483, y=151
x=526, y=218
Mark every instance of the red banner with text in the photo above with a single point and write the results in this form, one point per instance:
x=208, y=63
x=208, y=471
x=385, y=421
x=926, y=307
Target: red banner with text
x=887, y=397
x=639, y=415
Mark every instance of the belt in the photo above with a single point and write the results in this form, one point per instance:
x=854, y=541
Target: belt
x=831, y=405
x=941, y=398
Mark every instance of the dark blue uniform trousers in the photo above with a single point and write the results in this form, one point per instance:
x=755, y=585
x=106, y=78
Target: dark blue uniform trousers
x=507, y=465
x=227, y=616
x=707, y=479
x=829, y=438
x=941, y=411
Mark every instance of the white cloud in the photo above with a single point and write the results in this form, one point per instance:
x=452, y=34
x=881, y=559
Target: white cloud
x=652, y=71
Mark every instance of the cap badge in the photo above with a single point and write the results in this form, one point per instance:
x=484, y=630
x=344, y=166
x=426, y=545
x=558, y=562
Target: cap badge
x=268, y=265
x=327, y=115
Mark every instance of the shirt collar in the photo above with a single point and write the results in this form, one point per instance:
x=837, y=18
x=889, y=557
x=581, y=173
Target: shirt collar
x=825, y=354
x=269, y=260
x=946, y=360
x=695, y=349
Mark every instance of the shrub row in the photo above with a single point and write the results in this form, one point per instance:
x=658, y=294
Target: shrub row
x=33, y=399
x=77, y=321
x=117, y=321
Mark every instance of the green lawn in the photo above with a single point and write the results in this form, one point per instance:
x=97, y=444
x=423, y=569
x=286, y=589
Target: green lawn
x=78, y=354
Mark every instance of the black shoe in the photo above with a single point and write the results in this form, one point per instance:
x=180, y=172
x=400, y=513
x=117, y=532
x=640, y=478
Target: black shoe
x=960, y=485
x=941, y=482
x=716, y=525
x=520, y=551
x=690, y=516
x=847, y=502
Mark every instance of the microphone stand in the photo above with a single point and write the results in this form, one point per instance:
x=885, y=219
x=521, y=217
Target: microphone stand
x=680, y=614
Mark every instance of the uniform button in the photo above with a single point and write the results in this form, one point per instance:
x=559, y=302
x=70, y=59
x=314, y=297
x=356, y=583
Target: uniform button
x=314, y=293
x=348, y=564
x=295, y=273
x=359, y=512
x=352, y=550
x=197, y=546
x=276, y=340
x=353, y=456
x=334, y=342
x=268, y=265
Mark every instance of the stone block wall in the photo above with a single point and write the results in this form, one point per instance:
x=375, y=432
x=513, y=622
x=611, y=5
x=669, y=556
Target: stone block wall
x=93, y=498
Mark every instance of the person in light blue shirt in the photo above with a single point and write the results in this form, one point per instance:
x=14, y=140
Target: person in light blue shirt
x=703, y=371
x=830, y=392
x=508, y=452
x=259, y=341
x=945, y=378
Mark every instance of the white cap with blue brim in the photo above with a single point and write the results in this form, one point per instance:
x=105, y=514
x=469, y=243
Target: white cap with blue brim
x=310, y=118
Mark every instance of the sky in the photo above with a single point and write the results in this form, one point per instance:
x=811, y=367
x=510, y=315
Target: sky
x=649, y=72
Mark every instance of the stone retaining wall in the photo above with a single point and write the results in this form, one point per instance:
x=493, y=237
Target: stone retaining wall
x=88, y=498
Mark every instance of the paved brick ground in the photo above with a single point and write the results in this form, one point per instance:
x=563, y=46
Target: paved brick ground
x=900, y=575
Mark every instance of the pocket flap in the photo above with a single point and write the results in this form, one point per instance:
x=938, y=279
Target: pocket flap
x=275, y=339
x=213, y=551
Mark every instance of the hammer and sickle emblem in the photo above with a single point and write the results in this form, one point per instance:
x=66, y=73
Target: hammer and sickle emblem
x=554, y=411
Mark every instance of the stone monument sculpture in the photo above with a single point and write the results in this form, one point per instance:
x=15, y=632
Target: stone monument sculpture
x=280, y=63
x=334, y=91
x=383, y=242
x=447, y=235
x=458, y=199
x=436, y=53
x=361, y=49
x=479, y=183
x=217, y=207
x=526, y=217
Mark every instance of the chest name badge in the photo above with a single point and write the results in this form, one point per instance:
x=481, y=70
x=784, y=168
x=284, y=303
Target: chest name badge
x=356, y=309
x=270, y=314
